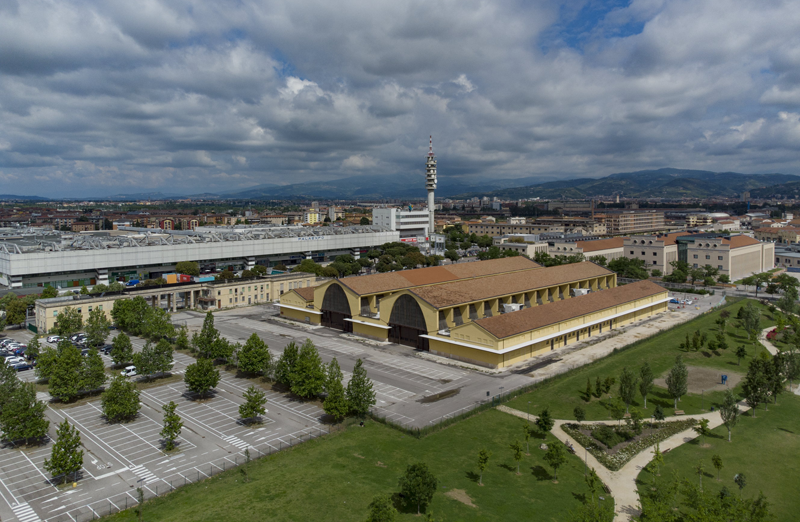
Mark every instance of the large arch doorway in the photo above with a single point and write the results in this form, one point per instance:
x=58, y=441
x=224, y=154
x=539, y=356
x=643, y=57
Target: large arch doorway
x=407, y=323
x=336, y=308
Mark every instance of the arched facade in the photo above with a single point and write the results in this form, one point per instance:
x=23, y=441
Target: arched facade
x=336, y=309
x=407, y=323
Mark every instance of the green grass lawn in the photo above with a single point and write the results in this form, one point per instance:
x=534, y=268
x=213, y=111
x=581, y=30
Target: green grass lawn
x=765, y=449
x=565, y=392
x=336, y=477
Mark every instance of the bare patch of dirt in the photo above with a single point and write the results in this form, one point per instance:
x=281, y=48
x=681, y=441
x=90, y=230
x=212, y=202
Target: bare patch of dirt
x=380, y=464
x=461, y=496
x=357, y=455
x=708, y=379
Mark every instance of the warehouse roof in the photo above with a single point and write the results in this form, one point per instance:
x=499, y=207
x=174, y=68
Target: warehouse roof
x=306, y=293
x=392, y=281
x=514, y=323
x=460, y=292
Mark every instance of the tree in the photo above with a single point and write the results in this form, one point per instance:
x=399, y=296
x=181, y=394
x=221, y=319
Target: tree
x=776, y=369
x=751, y=321
x=359, y=393
x=93, y=371
x=741, y=481
x=483, y=461
x=364, y=221
x=191, y=268
x=66, y=457
x=45, y=363
x=284, y=369
x=658, y=458
x=381, y=510
x=678, y=380
x=154, y=359
x=182, y=340
x=68, y=321
x=700, y=469
x=308, y=378
x=253, y=407
x=65, y=374
x=741, y=353
x=755, y=385
x=555, y=457
x=16, y=311
x=335, y=403
x=97, y=328
x=418, y=485
x=120, y=401
x=22, y=416
x=172, y=425
x=48, y=293
x=729, y=412
x=516, y=449
x=588, y=393
x=580, y=414
x=8, y=383
x=658, y=414
x=452, y=255
x=645, y=381
x=627, y=387
x=788, y=301
x=156, y=324
x=121, y=349
x=716, y=461
x=201, y=377
x=545, y=422
x=702, y=429
x=598, y=387
x=629, y=268
x=205, y=343
x=254, y=357
x=34, y=347
x=592, y=482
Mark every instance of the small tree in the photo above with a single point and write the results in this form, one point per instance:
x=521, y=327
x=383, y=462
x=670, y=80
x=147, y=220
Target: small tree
x=201, y=377
x=154, y=359
x=545, y=421
x=191, y=268
x=658, y=414
x=658, y=459
x=182, y=340
x=97, y=328
x=716, y=461
x=16, y=311
x=598, y=388
x=700, y=469
x=172, y=425
x=284, y=369
x=66, y=456
x=308, y=378
x=516, y=452
x=22, y=416
x=588, y=392
x=755, y=385
x=555, y=457
x=483, y=461
x=254, y=357
x=678, y=380
x=68, y=321
x=627, y=387
x=741, y=353
x=702, y=429
x=65, y=374
x=381, y=510
x=34, y=347
x=335, y=403
x=253, y=407
x=729, y=412
x=93, y=371
x=418, y=485
x=121, y=349
x=580, y=414
x=359, y=393
x=645, y=382
x=120, y=402
x=741, y=481
x=592, y=481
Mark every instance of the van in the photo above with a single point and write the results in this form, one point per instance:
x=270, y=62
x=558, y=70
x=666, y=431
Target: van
x=129, y=371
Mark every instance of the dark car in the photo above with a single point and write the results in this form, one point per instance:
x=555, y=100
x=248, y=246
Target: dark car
x=21, y=367
x=21, y=350
x=106, y=349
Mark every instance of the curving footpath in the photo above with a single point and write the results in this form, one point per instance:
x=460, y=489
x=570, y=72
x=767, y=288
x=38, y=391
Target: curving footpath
x=622, y=483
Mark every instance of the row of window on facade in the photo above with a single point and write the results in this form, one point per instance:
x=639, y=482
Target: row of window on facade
x=80, y=310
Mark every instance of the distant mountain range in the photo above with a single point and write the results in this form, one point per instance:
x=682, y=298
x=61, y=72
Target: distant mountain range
x=12, y=197
x=665, y=183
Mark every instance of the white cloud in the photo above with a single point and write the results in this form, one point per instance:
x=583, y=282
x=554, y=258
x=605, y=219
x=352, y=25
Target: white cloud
x=359, y=162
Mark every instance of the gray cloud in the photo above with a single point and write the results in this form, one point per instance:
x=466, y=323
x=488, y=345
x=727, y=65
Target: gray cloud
x=99, y=97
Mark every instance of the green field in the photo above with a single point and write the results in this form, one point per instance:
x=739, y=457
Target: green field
x=336, y=477
x=765, y=449
x=565, y=392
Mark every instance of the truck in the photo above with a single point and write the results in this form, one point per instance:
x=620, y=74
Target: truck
x=132, y=282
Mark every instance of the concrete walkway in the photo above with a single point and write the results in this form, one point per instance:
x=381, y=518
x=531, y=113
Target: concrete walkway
x=762, y=337
x=622, y=483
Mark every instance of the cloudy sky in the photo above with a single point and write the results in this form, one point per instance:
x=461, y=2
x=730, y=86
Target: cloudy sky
x=114, y=96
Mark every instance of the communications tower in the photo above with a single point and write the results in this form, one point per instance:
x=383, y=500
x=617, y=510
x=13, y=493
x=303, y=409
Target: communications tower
x=430, y=184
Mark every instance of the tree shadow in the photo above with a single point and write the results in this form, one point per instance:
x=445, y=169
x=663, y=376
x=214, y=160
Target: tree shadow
x=706, y=354
x=508, y=467
x=580, y=497
x=540, y=473
x=474, y=477
x=402, y=506
x=196, y=397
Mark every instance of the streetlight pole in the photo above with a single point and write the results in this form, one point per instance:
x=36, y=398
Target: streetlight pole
x=529, y=412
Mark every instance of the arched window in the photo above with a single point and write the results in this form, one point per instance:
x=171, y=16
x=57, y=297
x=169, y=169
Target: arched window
x=406, y=312
x=335, y=300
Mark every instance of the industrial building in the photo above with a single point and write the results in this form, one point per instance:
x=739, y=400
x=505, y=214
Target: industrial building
x=29, y=259
x=492, y=313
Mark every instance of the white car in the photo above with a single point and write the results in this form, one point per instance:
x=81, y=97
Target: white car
x=53, y=339
x=4, y=342
x=14, y=360
x=129, y=371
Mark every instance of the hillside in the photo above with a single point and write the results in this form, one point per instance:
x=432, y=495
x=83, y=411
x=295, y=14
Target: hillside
x=667, y=183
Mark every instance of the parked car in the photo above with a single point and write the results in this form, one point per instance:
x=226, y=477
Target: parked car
x=129, y=371
x=53, y=339
x=9, y=352
x=11, y=361
x=6, y=341
x=85, y=352
x=21, y=367
x=21, y=350
x=106, y=349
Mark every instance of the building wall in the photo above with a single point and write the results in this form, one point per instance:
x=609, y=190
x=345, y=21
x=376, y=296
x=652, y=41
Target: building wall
x=655, y=254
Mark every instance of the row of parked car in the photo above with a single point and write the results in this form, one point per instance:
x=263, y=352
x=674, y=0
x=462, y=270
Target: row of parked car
x=13, y=354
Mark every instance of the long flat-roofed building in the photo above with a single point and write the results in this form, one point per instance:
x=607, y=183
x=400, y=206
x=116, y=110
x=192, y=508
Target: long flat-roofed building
x=430, y=310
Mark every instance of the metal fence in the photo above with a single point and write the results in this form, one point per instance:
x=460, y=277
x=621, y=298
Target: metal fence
x=153, y=488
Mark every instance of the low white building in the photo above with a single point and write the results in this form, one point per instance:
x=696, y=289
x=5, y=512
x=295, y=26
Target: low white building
x=409, y=223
